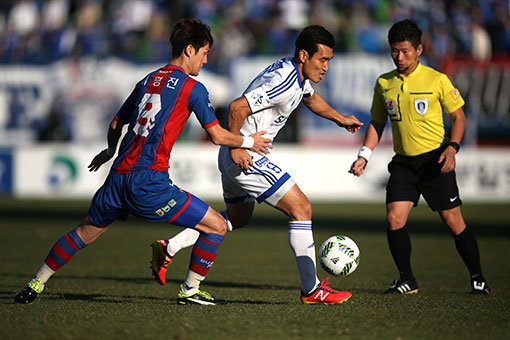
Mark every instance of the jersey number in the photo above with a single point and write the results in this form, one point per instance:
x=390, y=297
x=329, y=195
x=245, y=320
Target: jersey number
x=149, y=107
x=273, y=167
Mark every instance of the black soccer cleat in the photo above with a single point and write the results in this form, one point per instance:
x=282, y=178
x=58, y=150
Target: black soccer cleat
x=403, y=287
x=479, y=288
x=29, y=293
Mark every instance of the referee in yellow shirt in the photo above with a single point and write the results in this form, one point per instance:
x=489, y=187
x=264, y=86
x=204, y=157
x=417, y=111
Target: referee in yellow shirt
x=413, y=97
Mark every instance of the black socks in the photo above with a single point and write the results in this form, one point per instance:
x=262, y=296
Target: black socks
x=467, y=247
x=400, y=247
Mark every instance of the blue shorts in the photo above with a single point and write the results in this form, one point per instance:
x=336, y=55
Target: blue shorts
x=148, y=194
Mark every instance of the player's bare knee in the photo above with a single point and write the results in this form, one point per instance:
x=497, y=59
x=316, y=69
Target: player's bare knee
x=301, y=211
x=453, y=219
x=395, y=221
x=219, y=226
x=89, y=233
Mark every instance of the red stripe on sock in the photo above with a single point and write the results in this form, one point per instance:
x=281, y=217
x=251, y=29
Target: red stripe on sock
x=62, y=253
x=52, y=264
x=204, y=254
x=214, y=244
x=71, y=242
x=198, y=269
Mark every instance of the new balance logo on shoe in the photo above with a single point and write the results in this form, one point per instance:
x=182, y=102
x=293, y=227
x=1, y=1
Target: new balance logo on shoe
x=322, y=295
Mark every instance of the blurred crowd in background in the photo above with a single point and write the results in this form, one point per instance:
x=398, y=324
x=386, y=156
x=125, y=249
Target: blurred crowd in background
x=41, y=31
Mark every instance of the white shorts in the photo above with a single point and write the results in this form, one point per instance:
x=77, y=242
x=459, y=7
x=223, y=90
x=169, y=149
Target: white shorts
x=264, y=181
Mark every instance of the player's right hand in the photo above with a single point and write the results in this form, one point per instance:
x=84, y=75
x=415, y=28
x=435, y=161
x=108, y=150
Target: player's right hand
x=350, y=123
x=261, y=145
x=99, y=160
x=358, y=167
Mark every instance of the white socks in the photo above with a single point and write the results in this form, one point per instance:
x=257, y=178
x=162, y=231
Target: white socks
x=185, y=238
x=302, y=244
x=44, y=273
x=192, y=282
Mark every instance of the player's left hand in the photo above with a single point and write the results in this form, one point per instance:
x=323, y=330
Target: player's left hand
x=99, y=160
x=261, y=145
x=447, y=157
x=350, y=123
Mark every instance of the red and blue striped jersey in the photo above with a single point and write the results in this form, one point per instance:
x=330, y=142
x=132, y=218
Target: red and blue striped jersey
x=157, y=110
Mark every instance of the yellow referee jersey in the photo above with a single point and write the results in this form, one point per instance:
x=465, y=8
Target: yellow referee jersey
x=415, y=106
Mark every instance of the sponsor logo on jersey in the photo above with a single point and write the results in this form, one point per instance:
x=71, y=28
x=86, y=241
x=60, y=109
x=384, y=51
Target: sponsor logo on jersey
x=257, y=98
x=166, y=208
x=280, y=120
x=390, y=107
x=421, y=105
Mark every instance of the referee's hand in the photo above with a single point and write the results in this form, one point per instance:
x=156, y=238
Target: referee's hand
x=447, y=158
x=358, y=167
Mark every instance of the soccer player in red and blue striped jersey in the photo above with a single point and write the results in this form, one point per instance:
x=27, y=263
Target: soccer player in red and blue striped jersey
x=139, y=183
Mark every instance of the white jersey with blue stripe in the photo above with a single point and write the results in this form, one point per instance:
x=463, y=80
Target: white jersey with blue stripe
x=272, y=97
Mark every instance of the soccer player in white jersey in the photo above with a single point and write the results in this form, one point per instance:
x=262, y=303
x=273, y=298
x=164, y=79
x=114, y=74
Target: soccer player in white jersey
x=248, y=177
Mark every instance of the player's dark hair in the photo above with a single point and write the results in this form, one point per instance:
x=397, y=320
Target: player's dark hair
x=189, y=32
x=405, y=30
x=311, y=36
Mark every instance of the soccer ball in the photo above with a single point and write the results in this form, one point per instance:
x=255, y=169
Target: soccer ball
x=339, y=255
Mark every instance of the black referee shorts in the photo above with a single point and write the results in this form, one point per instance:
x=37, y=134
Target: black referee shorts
x=411, y=176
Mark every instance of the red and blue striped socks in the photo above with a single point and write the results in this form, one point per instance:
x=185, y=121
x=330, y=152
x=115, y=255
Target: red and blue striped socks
x=204, y=253
x=64, y=250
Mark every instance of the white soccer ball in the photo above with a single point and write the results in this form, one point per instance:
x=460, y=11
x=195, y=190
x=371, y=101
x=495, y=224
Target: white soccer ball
x=339, y=255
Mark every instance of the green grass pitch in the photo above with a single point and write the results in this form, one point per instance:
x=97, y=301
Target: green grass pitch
x=107, y=291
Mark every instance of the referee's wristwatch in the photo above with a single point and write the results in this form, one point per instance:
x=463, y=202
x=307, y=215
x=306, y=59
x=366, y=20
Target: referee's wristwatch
x=456, y=146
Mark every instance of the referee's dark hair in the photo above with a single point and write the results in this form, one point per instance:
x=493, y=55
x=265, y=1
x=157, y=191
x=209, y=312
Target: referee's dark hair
x=189, y=32
x=405, y=30
x=311, y=36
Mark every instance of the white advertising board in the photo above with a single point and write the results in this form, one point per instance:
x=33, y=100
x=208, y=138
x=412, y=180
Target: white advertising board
x=60, y=171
